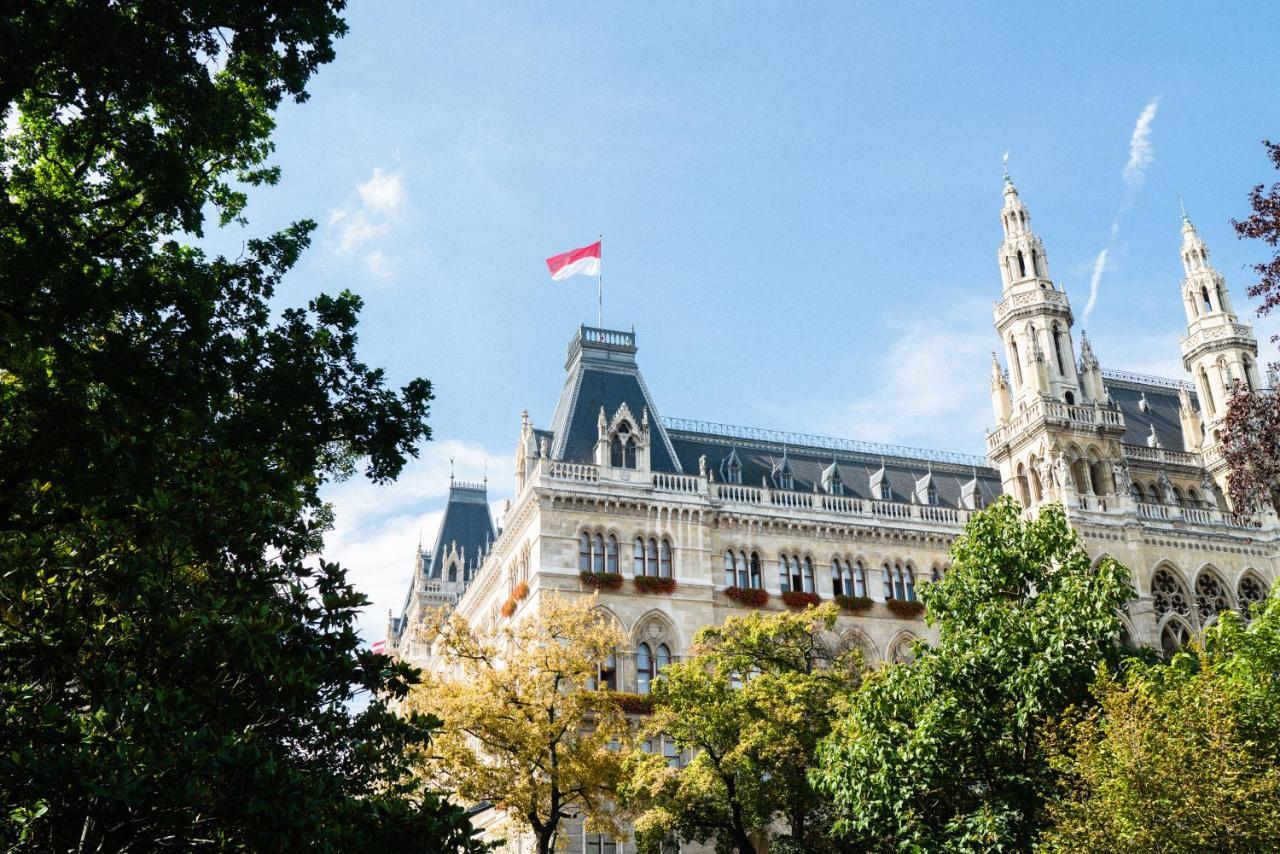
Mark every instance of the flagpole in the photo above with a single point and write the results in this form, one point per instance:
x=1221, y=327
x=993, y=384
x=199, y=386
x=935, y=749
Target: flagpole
x=600, y=287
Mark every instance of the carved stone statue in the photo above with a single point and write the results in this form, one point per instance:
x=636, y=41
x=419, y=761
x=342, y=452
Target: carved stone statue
x=1121, y=471
x=544, y=447
x=1062, y=471
x=1045, y=471
x=702, y=466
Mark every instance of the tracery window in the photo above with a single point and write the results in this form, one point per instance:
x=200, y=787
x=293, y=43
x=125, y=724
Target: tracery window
x=622, y=448
x=742, y=571
x=653, y=557
x=611, y=554
x=859, y=579
x=664, y=559
x=1211, y=598
x=1249, y=593
x=886, y=574
x=1168, y=595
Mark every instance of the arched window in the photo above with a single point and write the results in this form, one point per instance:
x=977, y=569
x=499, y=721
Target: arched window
x=1208, y=305
x=730, y=578
x=1022, y=265
x=637, y=560
x=1208, y=392
x=651, y=558
x=841, y=582
x=606, y=674
x=615, y=452
x=932, y=493
x=784, y=573
x=1247, y=367
x=1249, y=593
x=1057, y=349
x=1035, y=263
x=1211, y=596
x=935, y=574
x=584, y=552
x=734, y=470
x=899, y=588
x=808, y=576
x=859, y=579
x=1177, y=497
x=1174, y=637
x=644, y=668
x=1168, y=596
x=1015, y=362
x=629, y=454
x=887, y=577
x=664, y=559
x=611, y=554
x=909, y=582
x=597, y=554
x=757, y=580
x=1069, y=398
x=1138, y=494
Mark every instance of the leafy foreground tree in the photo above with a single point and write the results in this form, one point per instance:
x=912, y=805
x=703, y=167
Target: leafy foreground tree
x=1251, y=429
x=175, y=668
x=944, y=753
x=1183, y=757
x=753, y=700
x=525, y=728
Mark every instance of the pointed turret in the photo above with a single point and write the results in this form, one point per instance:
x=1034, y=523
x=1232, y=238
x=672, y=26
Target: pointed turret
x=1090, y=372
x=1192, y=431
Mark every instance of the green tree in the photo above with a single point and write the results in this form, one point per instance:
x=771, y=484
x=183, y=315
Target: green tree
x=175, y=664
x=1178, y=757
x=944, y=752
x=752, y=701
x=524, y=728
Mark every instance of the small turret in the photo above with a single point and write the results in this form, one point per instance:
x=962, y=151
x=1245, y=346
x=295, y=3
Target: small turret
x=1001, y=401
x=1192, y=430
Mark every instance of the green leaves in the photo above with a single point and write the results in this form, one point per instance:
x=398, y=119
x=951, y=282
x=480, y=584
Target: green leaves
x=176, y=666
x=944, y=752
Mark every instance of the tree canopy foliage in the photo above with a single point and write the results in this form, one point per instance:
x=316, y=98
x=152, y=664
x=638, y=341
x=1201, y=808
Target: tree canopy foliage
x=175, y=664
x=944, y=752
x=751, y=701
x=526, y=727
x=1182, y=757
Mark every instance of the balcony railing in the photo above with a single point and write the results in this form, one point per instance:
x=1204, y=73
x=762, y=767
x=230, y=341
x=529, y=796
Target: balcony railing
x=1087, y=416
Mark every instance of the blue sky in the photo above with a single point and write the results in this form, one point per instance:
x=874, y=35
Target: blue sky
x=799, y=206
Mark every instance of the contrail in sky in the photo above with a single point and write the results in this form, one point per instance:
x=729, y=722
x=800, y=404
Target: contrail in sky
x=1141, y=156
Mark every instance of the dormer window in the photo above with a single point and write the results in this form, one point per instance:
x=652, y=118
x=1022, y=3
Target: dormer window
x=731, y=467
x=932, y=493
x=622, y=448
x=785, y=481
x=782, y=478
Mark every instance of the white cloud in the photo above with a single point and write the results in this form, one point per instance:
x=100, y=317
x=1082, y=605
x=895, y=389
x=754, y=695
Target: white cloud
x=1141, y=153
x=931, y=389
x=358, y=228
x=1094, y=280
x=376, y=528
x=1141, y=156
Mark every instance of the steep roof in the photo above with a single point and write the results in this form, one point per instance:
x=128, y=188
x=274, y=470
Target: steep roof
x=809, y=457
x=602, y=374
x=467, y=525
x=1160, y=410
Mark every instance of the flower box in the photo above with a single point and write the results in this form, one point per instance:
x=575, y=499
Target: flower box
x=653, y=584
x=752, y=597
x=601, y=580
x=800, y=598
x=508, y=608
x=906, y=610
x=634, y=704
x=521, y=591
x=854, y=604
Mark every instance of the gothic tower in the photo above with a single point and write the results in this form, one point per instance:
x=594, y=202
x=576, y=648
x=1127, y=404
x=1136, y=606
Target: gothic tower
x=1218, y=349
x=1057, y=434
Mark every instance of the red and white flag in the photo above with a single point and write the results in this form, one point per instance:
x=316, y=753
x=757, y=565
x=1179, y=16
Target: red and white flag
x=576, y=262
x=379, y=647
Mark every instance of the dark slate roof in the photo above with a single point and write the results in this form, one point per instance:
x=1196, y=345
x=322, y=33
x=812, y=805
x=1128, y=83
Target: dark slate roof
x=602, y=373
x=758, y=459
x=467, y=524
x=1128, y=390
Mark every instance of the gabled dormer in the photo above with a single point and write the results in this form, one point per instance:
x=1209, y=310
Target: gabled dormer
x=880, y=487
x=731, y=467
x=832, y=483
x=622, y=442
x=781, y=474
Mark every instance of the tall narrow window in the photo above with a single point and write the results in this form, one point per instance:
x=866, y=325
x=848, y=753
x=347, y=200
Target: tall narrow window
x=1015, y=362
x=909, y=580
x=662, y=659
x=1057, y=349
x=808, y=576
x=664, y=559
x=898, y=588
x=597, y=554
x=756, y=579
x=729, y=578
x=611, y=554
x=1208, y=305
x=859, y=579
x=741, y=562
x=887, y=574
x=1035, y=263
x=1022, y=265
x=629, y=454
x=584, y=552
x=637, y=559
x=651, y=558
x=644, y=668
x=1208, y=392
x=784, y=574
x=839, y=578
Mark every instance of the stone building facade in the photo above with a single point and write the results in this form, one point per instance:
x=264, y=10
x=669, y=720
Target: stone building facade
x=610, y=485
